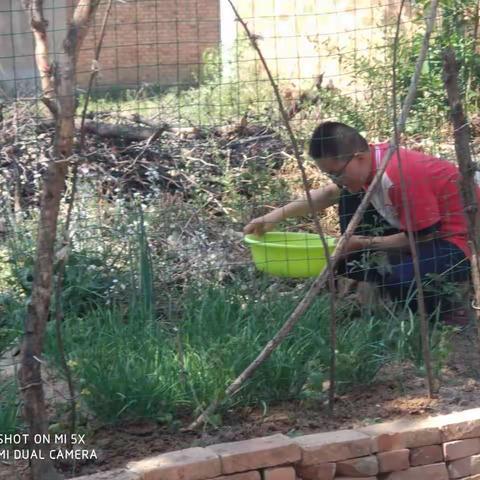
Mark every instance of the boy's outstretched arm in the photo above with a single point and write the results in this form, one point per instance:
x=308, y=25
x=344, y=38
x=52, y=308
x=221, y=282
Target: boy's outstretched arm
x=397, y=241
x=322, y=198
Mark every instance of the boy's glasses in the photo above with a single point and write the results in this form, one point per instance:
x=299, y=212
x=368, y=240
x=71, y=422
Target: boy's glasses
x=336, y=177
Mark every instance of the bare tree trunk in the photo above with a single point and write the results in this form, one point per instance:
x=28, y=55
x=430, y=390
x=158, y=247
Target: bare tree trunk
x=468, y=186
x=30, y=372
x=62, y=105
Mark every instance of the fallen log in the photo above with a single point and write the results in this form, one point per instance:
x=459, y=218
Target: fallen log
x=108, y=130
x=133, y=133
x=127, y=132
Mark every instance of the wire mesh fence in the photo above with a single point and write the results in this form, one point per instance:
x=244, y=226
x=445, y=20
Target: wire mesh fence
x=180, y=142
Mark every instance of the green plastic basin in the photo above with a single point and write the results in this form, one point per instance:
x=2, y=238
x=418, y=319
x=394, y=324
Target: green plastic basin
x=289, y=254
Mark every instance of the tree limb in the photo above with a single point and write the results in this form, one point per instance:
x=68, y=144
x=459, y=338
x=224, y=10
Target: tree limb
x=38, y=24
x=127, y=132
x=78, y=28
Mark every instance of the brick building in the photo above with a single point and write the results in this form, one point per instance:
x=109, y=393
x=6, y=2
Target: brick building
x=151, y=41
x=163, y=41
x=146, y=41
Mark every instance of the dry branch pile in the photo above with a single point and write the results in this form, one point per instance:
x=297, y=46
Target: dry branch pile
x=186, y=161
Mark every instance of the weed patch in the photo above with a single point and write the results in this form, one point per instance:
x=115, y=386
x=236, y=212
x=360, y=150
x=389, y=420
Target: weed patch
x=131, y=365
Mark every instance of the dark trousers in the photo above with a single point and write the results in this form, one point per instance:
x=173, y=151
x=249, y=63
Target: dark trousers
x=441, y=262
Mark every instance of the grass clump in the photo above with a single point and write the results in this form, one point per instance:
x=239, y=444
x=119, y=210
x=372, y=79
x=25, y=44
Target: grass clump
x=132, y=365
x=9, y=407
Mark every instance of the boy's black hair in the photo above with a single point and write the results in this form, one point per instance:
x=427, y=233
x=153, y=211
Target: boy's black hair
x=336, y=140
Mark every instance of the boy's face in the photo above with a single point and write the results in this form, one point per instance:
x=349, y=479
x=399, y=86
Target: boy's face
x=352, y=173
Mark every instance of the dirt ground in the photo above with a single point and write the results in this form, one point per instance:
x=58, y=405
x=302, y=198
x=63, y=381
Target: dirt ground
x=397, y=393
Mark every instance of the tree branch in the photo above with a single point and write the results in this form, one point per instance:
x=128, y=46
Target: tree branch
x=78, y=28
x=38, y=24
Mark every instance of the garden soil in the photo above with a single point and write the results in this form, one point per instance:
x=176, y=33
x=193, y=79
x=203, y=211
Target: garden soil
x=398, y=392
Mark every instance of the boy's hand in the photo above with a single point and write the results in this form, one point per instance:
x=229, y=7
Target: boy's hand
x=260, y=225
x=357, y=243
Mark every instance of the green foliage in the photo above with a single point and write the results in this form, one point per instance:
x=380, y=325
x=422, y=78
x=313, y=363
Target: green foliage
x=159, y=349
x=208, y=100
x=406, y=341
x=12, y=298
x=132, y=366
x=9, y=407
x=11, y=305
x=11, y=320
x=90, y=273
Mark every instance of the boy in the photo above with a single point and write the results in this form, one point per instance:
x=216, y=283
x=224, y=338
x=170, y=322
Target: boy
x=435, y=214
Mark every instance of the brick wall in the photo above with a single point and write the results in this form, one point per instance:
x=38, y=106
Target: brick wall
x=446, y=447
x=151, y=41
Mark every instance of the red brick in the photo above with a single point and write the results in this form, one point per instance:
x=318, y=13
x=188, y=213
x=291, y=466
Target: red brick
x=393, y=461
x=356, y=478
x=192, y=463
x=475, y=464
x=253, y=475
x=256, y=453
x=282, y=473
x=402, y=434
x=464, y=466
x=426, y=455
x=438, y=471
x=117, y=474
x=357, y=467
x=460, y=425
x=460, y=468
x=333, y=446
x=324, y=471
x=461, y=448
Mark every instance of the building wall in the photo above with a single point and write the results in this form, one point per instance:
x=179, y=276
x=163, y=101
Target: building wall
x=146, y=41
x=18, y=74
x=152, y=41
x=163, y=41
x=302, y=39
